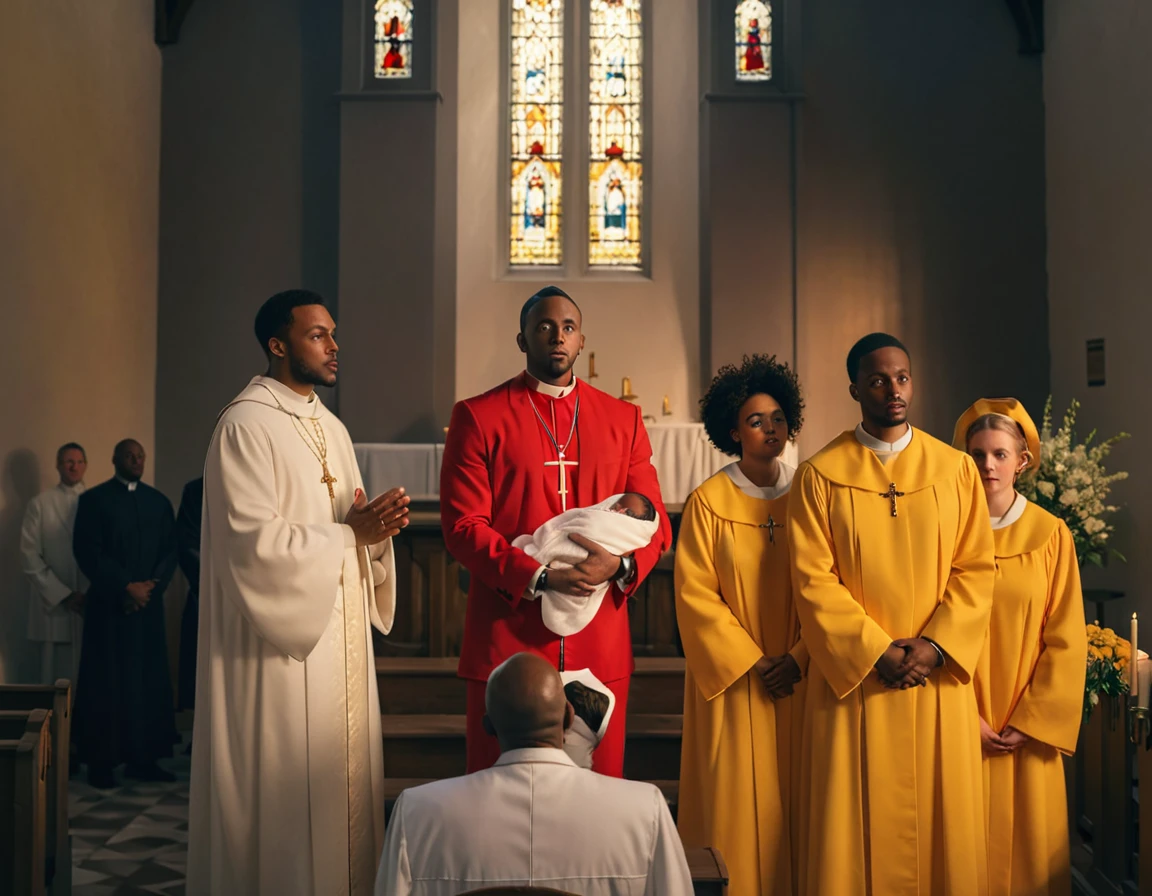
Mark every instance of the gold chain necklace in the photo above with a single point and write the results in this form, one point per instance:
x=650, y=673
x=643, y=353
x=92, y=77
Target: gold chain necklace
x=317, y=444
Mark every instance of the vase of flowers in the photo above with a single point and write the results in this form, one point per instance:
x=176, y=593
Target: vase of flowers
x=1108, y=658
x=1072, y=484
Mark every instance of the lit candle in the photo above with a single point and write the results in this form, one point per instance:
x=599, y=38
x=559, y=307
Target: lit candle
x=667, y=407
x=1134, y=662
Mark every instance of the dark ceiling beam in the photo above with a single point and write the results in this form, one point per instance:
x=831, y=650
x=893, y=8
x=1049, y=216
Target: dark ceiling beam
x=169, y=17
x=1029, y=16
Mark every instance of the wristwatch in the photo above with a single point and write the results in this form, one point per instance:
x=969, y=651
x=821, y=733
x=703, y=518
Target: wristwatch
x=542, y=582
x=627, y=570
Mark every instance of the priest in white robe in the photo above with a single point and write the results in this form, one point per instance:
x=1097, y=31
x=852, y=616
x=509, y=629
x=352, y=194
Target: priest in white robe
x=287, y=764
x=55, y=622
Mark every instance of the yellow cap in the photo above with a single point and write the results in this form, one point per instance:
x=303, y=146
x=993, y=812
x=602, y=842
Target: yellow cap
x=1003, y=407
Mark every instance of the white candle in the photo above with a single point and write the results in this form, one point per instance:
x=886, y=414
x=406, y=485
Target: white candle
x=1133, y=661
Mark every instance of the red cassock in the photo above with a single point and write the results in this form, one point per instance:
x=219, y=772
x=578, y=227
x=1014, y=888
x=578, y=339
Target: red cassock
x=500, y=479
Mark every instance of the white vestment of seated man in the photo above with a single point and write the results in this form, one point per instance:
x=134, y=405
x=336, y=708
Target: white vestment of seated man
x=534, y=819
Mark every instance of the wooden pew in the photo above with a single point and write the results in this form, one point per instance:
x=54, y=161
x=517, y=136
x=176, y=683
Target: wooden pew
x=24, y=806
x=57, y=698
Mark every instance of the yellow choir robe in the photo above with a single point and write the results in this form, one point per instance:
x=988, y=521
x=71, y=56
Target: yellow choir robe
x=891, y=799
x=740, y=749
x=1031, y=676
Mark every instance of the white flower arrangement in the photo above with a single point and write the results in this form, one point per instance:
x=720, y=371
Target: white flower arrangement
x=1072, y=484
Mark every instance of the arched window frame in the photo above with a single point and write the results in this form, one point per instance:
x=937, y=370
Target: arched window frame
x=576, y=155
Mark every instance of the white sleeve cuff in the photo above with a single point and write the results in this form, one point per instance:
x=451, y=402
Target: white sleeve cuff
x=530, y=591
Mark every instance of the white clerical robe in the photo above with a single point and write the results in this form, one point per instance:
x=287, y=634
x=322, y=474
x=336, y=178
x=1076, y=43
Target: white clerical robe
x=46, y=556
x=287, y=790
x=534, y=819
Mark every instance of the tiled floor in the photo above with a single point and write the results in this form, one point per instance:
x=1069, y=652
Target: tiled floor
x=133, y=839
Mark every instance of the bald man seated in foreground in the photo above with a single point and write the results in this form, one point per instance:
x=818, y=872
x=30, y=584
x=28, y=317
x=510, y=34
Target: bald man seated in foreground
x=535, y=818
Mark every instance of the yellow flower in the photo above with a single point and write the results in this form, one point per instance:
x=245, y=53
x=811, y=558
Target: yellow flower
x=1106, y=651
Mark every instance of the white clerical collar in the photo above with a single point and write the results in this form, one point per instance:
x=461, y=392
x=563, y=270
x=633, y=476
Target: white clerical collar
x=535, y=754
x=547, y=389
x=1019, y=505
x=752, y=490
x=77, y=489
x=305, y=406
x=868, y=440
x=131, y=486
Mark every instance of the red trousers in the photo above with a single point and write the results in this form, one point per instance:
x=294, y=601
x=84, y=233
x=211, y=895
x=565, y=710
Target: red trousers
x=607, y=758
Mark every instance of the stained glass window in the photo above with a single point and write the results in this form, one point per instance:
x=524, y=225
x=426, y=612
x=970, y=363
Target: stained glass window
x=754, y=41
x=393, y=39
x=615, y=132
x=536, y=111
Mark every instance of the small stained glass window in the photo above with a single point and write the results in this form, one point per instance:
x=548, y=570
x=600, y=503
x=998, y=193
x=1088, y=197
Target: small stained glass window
x=393, y=39
x=753, y=41
x=536, y=111
x=615, y=131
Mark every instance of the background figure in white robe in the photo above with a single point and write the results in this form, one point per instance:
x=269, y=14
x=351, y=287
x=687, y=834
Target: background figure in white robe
x=55, y=620
x=287, y=763
x=621, y=525
x=535, y=818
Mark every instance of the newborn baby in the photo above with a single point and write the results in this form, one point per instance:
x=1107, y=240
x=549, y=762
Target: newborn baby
x=622, y=524
x=593, y=704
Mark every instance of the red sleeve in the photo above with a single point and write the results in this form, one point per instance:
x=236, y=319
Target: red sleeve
x=642, y=479
x=466, y=512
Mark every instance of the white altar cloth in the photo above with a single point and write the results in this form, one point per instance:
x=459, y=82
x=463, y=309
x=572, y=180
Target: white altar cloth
x=681, y=453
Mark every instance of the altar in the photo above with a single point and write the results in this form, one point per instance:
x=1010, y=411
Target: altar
x=681, y=453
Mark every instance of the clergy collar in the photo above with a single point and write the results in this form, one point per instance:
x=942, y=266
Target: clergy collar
x=1014, y=513
x=131, y=486
x=547, y=389
x=752, y=490
x=76, y=489
x=536, y=754
x=293, y=401
x=868, y=440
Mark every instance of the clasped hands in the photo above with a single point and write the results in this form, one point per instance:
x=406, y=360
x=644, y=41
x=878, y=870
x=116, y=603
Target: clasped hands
x=139, y=593
x=779, y=674
x=582, y=579
x=379, y=519
x=1007, y=741
x=907, y=663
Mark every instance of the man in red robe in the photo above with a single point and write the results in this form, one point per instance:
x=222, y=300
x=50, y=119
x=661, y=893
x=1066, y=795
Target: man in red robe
x=516, y=456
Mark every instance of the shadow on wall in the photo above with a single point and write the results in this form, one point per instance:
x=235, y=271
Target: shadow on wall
x=19, y=483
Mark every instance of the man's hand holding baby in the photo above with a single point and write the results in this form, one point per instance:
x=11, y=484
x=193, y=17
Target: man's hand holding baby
x=581, y=580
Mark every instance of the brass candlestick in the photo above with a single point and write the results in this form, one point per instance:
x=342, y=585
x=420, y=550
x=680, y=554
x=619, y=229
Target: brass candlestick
x=626, y=390
x=592, y=374
x=667, y=408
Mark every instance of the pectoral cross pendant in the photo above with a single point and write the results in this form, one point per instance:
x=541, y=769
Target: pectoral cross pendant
x=892, y=495
x=328, y=479
x=771, y=527
x=561, y=463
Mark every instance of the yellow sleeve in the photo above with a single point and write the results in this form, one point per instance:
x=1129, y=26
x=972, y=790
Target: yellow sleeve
x=1049, y=709
x=800, y=653
x=841, y=637
x=716, y=647
x=960, y=622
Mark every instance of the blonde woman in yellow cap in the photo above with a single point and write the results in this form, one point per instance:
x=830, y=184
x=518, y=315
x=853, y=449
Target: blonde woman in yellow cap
x=1030, y=677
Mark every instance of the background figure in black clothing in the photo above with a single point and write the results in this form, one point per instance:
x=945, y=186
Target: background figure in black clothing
x=188, y=541
x=125, y=543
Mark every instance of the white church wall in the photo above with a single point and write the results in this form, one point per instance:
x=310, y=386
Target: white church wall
x=646, y=329
x=79, y=200
x=1097, y=90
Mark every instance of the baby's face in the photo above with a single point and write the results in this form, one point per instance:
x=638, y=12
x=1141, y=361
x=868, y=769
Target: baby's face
x=630, y=505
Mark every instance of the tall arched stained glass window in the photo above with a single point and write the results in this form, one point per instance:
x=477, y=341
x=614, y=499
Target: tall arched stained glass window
x=536, y=111
x=615, y=132
x=753, y=41
x=393, y=21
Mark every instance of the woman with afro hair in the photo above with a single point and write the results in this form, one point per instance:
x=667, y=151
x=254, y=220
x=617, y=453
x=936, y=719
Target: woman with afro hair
x=742, y=706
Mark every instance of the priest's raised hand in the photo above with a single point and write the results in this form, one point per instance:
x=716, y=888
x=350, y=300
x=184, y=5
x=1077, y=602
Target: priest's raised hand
x=379, y=519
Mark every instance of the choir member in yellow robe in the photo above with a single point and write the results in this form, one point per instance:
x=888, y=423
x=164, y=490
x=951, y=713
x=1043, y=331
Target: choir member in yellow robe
x=1030, y=679
x=893, y=574
x=742, y=704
